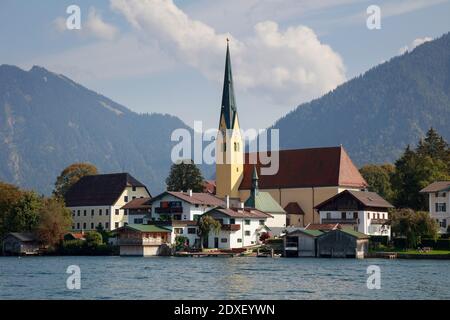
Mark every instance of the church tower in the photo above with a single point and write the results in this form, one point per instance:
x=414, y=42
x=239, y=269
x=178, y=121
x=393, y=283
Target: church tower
x=229, y=144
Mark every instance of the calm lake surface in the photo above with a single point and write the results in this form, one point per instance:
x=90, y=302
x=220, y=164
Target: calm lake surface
x=221, y=278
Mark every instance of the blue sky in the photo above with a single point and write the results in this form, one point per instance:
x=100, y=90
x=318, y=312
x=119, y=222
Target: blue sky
x=168, y=57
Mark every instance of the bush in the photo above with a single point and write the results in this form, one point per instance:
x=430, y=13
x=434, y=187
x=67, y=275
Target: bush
x=93, y=239
x=441, y=244
x=82, y=248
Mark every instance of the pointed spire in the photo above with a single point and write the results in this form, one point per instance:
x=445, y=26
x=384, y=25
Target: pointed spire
x=228, y=100
x=251, y=201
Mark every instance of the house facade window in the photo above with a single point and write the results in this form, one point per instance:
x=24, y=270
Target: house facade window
x=178, y=230
x=107, y=225
x=117, y=224
x=138, y=221
x=78, y=212
x=247, y=222
x=261, y=222
x=99, y=212
x=107, y=212
x=78, y=225
x=84, y=225
x=355, y=215
x=133, y=188
x=232, y=221
x=343, y=215
x=441, y=207
x=224, y=240
x=125, y=199
x=192, y=230
x=247, y=233
x=92, y=212
x=239, y=240
x=328, y=215
x=117, y=212
x=92, y=225
x=85, y=213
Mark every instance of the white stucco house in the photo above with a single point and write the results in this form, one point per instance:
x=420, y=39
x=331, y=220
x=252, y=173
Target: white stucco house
x=439, y=203
x=365, y=211
x=98, y=200
x=240, y=227
x=180, y=211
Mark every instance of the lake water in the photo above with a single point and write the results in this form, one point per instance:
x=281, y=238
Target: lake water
x=221, y=278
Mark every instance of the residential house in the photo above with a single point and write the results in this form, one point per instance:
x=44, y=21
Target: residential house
x=180, y=211
x=439, y=203
x=137, y=210
x=21, y=243
x=143, y=240
x=301, y=243
x=364, y=211
x=240, y=227
x=295, y=215
x=97, y=200
x=306, y=177
x=342, y=243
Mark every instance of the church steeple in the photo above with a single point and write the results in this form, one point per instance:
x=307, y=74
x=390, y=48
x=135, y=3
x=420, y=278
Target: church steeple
x=229, y=110
x=251, y=201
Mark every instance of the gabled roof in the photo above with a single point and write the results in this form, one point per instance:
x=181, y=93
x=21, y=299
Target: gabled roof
x=101, y=189
x=323, y=226
x=354, y=233
x=264, y=201
x=200, y=198
x=303, y=168
x=366, y=198
x=138, y=203
x=241, y=213
x=23, y=236
x=437, y=186
x=293, y=208
x=144, y=228
x=309, y=232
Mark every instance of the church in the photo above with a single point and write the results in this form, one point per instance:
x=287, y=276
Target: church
x=306, y=177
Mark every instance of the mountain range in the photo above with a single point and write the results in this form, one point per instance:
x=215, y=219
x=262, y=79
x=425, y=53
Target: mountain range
x=48, y=121
x=376, y=115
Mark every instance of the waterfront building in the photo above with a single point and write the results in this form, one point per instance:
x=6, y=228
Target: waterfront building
x=439, y=203
x=20, y=243
x=240, y=227
x=180, y=211
x=342, y=243
x=363, y=211
x=143, y=240
x=301, y=243
x=98, y=200
x=305, y=178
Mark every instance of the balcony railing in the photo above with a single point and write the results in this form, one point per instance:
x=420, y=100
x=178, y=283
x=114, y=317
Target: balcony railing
x=169, y=210
x=231, y=227
x=340, y=221
x=380, y=221
x=142, y=242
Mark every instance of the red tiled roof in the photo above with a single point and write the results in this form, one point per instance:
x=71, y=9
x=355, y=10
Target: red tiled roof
x=320, y=226
x=209, y=186
x=138, y=203
x=436, y=187
x=293, y=208
x=301, y=168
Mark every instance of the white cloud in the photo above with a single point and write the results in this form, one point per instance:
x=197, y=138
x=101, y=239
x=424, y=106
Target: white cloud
x=93, y=26
x=417, y=42
x=288, y=66
x=98, y=28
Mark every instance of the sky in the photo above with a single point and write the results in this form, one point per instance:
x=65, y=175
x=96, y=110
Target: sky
x=168, y=56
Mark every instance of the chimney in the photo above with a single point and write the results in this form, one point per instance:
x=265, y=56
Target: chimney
x=190, y=192
x=227, y=200
x=242, y=205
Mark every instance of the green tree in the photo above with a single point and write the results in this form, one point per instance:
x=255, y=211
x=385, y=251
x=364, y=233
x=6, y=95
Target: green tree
x=93, y=239
x=207, y=224
x=18, y=209
x=414, y=226
x=413, y=172
x=70, y=175
x=379, y=179
x=435, y=147
x=55, y=220
x=104, y=233
x=184, y=176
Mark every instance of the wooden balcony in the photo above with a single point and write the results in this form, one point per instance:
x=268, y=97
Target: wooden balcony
x=380, y=221
x=169, y=210
x=231, y=227
x=340, y=221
